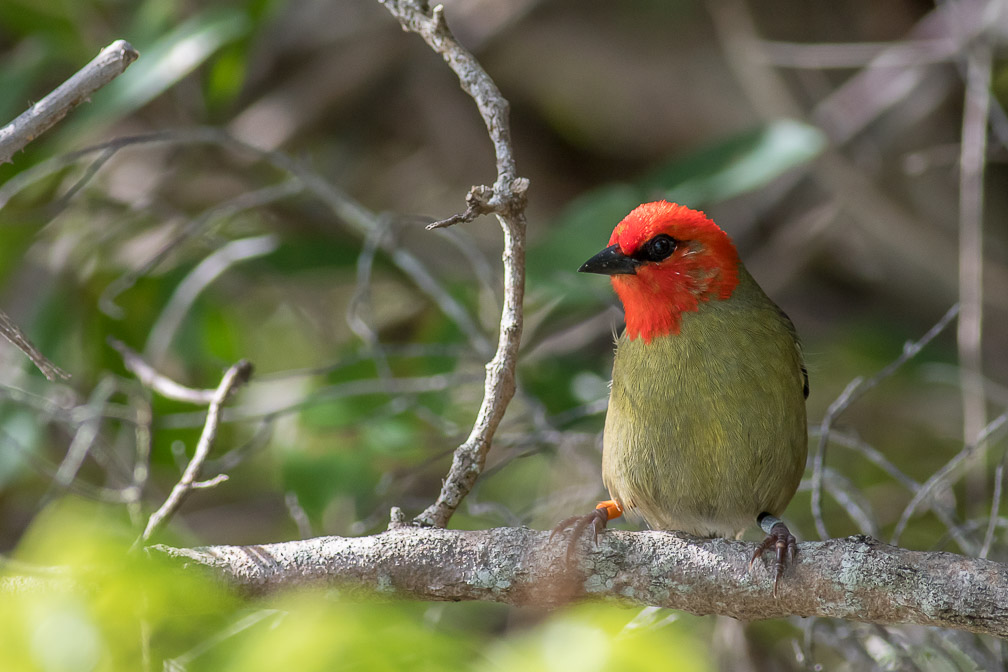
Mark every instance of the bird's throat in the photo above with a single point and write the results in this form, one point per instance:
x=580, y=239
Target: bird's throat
x=656, y=298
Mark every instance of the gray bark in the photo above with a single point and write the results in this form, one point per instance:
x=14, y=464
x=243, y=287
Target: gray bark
x=856, y=578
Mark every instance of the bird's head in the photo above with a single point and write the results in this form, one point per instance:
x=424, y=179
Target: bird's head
x=666, y=259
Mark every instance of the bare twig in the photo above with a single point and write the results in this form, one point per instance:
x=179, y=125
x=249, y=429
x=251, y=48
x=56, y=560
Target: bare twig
x=854, y=390
x=209, y=642
x=506, y=199
x=141, y=461
x=210, y=482
x=938, y=479
x=971, y=262
x=912, y=52
x=359, y=219
x=85, y=436
x=236, y=375
x=477, y=205
x=865, y=96
x=241, y=203
x=992, y=520
x=208, y=270
x=161, y=384
x=856, y=578
x=111, y=62
x=298, y=515
x=12, y=333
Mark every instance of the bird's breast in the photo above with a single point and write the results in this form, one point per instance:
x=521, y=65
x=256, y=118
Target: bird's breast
x=706, y=428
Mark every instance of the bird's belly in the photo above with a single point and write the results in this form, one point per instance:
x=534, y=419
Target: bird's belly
x=705, y=457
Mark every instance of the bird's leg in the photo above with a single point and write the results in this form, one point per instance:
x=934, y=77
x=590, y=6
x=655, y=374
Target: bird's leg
x=780, y=538
x=603, y=513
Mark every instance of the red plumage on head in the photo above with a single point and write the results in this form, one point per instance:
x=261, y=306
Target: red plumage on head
x=703, y=267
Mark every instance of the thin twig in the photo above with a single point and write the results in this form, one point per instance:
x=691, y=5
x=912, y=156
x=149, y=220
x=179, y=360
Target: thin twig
x=438, y=382
x=111, y=62
x=912, y=52
x=992, y=521
x=972, y=160
x=854, y=390
x=158, y=382
x=938, y=478
x=141, y=463
x=506, y=199
x=865, y=96
x=236, y=375
x=197, y=280
x=298, y=515
x=85, y=436
x=359, y=219
x=12, y=333
x=243, y=202
x=477, y=205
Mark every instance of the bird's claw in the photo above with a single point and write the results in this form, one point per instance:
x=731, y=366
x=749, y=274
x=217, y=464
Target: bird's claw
x=597, y=519
x=785, y=547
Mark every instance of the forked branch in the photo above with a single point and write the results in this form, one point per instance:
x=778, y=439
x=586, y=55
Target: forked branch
x=505, y=199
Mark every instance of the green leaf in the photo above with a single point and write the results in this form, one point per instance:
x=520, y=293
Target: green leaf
x=741, y=164
x=165, y=62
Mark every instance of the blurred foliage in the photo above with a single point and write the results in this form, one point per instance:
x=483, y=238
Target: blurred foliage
x=369, y=335
x=109, y=609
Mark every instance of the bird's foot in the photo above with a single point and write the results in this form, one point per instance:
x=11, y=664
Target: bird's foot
x=779, y=538
x=597, y=519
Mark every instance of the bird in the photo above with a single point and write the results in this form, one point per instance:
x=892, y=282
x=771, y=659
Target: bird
x=705, y=431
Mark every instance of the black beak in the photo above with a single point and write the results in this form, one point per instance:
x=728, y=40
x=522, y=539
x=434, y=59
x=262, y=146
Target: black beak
x=610, y=261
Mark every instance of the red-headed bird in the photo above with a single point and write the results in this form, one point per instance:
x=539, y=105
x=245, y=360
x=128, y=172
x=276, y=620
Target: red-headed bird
x=705, y=431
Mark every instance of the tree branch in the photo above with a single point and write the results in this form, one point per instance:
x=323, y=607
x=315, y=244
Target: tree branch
x=111, y=62
x=235, y=376
x=506, y=199
x=13, y=333
x=41, y=116
x=857, y=578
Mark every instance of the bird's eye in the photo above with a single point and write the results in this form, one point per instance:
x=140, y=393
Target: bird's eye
x=659, y=247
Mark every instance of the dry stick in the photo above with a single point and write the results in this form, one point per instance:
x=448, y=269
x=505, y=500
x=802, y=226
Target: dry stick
x=236, y=375
x=438, y=382
x=208, y=270
x=163, y=385
x=937, y=479
x=106, y=66
x=971, y=266
x=110, y=63
x=995, y=505
x=245, y=201
x=12, y=333
x=85, y=436
x=911, y=52
x=855, y=389
x=356, y=216
x=862, y=98
x=506, y=199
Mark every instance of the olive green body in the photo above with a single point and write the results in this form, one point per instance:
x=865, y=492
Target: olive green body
x=706, y=428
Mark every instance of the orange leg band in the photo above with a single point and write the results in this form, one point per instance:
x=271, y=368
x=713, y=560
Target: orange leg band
x=612, y=508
